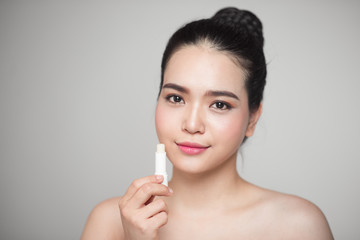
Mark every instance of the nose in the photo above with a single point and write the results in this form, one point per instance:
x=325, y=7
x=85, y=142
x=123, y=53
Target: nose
x=193, y=120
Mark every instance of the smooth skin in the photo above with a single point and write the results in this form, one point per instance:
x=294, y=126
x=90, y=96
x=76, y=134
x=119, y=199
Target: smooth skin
x=204, y=101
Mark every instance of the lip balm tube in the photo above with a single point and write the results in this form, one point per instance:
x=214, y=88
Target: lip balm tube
x=160, y=162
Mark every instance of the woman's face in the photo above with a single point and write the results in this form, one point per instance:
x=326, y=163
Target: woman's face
x=202, y=114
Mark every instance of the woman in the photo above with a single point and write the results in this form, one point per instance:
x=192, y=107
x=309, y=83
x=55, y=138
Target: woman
x=212, y=82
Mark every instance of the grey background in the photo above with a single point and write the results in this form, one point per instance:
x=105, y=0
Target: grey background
x=78, y=87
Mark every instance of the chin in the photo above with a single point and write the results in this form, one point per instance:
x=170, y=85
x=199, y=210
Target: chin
x=193, y=165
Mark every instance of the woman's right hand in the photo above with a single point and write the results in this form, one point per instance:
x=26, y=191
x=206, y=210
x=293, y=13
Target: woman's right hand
x=141, y=214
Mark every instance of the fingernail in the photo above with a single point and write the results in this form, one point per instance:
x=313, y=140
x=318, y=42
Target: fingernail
x=170, y=190
x=159, y=177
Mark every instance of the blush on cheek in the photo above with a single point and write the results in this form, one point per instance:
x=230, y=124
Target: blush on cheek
x=163, y=121
x=159, y=118
x=234, y=130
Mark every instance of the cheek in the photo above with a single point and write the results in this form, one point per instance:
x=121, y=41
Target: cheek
x=165, y=121
x=231, y=128
x=160, y=117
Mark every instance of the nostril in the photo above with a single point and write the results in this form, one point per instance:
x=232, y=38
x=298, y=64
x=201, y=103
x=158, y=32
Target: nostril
x=194, y=127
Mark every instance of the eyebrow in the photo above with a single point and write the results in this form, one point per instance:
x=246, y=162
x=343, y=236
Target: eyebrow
x=208, y=93
x=221, y=94
x=176, y=87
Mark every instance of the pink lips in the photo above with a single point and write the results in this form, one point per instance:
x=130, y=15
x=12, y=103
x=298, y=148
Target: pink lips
x=191, y=148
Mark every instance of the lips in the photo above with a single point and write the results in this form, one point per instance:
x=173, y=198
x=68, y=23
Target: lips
x=190, y=148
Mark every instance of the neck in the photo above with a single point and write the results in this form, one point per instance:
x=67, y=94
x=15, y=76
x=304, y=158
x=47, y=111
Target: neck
x=206, y=190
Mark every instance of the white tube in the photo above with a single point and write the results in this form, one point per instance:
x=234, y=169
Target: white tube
x=160, y=162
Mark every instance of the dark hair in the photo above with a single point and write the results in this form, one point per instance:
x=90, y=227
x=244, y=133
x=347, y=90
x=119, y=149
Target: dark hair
x=235, y=32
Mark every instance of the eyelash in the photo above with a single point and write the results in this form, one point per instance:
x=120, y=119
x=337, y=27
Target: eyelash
x=170, y=99
x=226, y=105
x=180, y=100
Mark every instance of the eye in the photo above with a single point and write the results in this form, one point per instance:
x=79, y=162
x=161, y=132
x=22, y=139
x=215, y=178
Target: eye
x=174, y=99
x=221, y=106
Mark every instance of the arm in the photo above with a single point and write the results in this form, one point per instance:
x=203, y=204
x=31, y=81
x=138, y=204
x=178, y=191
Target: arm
x=305, y=221
x=104, y=222
x=313, y=224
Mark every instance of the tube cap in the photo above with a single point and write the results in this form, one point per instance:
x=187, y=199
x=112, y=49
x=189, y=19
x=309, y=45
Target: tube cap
x=160, y=148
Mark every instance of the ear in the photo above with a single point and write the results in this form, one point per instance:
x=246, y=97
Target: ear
x=254, y=117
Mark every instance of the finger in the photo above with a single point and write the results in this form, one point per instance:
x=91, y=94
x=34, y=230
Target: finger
x=154, y=208
x=158, y=220
x=136, y=184
x=146, y=191
x=150, y=200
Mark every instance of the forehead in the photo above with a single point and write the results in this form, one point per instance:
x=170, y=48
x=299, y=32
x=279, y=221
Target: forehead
x=203, y=67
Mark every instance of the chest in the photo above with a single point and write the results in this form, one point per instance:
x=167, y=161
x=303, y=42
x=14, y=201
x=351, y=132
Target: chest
x=215, y=227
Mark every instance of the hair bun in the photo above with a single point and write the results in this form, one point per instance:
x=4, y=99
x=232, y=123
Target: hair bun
x=240, y=20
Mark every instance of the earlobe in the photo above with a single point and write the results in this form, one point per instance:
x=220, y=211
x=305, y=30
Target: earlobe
x=254, y=117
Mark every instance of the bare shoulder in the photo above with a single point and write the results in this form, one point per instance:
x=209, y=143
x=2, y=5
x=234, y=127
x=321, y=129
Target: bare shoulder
x=295, y=217
x=104, y=221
